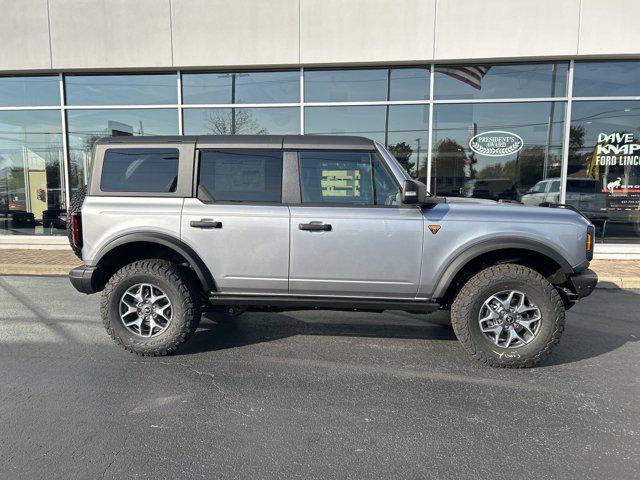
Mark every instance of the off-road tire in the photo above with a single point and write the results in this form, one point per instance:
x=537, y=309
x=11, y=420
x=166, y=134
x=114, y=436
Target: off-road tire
x=74, y=206
x=469, y=300
x=183, y=292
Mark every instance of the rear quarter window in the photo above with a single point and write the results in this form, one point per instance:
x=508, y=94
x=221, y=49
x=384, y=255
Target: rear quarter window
x=152, y=170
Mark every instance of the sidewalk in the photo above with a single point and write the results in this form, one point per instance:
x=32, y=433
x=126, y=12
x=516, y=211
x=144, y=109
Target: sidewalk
x=612, y=273
x=37, y=262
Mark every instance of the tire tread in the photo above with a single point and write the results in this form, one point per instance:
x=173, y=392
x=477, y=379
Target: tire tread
x=189, y=295
x=462, y=311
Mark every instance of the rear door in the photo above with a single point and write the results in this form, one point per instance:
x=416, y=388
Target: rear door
x=349, y=235
x=238, y=224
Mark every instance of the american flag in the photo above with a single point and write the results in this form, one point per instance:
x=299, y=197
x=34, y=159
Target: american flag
x=469, y=75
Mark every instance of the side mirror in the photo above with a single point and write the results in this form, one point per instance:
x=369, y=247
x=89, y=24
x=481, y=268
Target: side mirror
x=414, y=192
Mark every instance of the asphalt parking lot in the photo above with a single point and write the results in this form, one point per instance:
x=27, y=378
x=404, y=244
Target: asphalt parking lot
x=311, y=395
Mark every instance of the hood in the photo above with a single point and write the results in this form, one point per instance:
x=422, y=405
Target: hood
x=483, y=210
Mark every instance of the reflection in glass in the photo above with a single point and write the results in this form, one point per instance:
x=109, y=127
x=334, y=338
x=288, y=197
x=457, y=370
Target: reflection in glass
x=501, y=81
x=459, y=171
x=597, y=79
x=409, y=83
x=31, y=173
x=207, y=88
x=29, y=91
x=366, y=121
x=242, y=175
x=408, y=137
x=87, y=126
x=353, y=85
x=267, y=87
x=241, y=87
x=140, y=170
x=242, y=121
x=143, y=89
x=604, y=167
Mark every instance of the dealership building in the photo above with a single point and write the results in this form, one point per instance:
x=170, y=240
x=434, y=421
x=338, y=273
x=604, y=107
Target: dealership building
x=529, y=101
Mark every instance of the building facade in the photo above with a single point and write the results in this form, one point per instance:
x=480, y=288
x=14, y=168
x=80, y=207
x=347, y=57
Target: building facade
x=531, y=100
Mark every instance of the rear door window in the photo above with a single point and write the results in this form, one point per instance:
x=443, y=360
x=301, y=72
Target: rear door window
x=140, y=170
x=242, y=175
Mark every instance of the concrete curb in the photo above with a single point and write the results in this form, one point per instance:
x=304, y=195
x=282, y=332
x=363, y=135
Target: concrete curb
x=619, y=282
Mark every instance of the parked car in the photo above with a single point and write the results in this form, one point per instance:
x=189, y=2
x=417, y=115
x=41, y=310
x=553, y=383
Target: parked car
x=171, y=226
x=583, y=193
x=490, y=189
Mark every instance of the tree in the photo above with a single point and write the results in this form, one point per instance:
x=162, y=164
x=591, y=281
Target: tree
x=493, y=170
x=577, y=159
x=228, y=122
x=403, y=151
x=449, y=167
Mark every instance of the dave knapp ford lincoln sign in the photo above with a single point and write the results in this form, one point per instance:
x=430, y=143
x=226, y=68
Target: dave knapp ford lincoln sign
x=617, y=149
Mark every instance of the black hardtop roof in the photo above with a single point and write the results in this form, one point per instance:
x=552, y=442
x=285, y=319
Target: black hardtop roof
x=313, y=142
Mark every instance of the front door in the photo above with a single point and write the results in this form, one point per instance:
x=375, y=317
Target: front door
x=238, y=225
x=350, y=236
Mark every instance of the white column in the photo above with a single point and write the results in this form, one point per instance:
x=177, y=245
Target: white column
x=565, y=140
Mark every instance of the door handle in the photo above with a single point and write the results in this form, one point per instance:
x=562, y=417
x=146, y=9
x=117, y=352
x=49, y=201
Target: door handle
x=315, y=227
x=205, y=223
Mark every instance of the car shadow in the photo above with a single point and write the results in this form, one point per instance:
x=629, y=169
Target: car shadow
x=599, y=324
x=592, y=328
x=220, y=332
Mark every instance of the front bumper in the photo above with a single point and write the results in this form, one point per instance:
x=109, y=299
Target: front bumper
x=583, y=283
x=84, y=279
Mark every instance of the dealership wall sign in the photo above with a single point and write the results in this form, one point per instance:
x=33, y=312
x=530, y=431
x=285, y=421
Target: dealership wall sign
x=619, y=154
x=617, y=149
x=496, y=143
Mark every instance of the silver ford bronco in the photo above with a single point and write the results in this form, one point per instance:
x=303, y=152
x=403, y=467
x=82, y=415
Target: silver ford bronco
x=169, y=227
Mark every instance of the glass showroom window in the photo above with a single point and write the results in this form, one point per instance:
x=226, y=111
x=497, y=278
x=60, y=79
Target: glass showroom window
x=604, y=167
x=603, y=79
x=143, y=89
x=367, y=121
x=30, y=91
x=31, y=173
x=366, y=85
x=241, y=121
x=403, y=128
x=532, y=80
x=350, y=85
x=86, y=126
x=409, y=83
x=408, y=137
x=497, y=151
x=241, y=87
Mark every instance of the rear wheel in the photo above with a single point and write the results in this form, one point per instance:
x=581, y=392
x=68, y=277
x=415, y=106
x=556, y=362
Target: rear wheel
x=508, y=316
x=74, y=206
x=151, y=307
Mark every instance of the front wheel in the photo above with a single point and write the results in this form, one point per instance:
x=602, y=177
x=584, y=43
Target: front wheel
x=151, y=307
x=508, y=316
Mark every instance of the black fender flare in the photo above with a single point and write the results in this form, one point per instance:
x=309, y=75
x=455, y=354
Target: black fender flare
x=175, y=244
x=487, y=246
